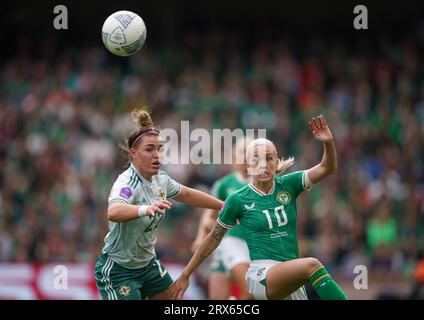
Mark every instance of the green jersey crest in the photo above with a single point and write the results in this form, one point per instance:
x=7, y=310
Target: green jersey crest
x=284, y=197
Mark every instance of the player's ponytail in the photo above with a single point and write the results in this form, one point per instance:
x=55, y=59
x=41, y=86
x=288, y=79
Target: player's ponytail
x=142, y=118
x=284, y=165
x=144, y=126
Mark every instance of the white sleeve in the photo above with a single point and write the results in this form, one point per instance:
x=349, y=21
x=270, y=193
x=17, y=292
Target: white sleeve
x=307, y=183
x=173, y=187
x=121, y=192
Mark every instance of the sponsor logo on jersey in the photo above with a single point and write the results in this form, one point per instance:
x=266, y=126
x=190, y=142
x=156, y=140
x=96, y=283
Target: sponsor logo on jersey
x=284, y=197
x=124, y=290
x=125, y=193
x=249, y=207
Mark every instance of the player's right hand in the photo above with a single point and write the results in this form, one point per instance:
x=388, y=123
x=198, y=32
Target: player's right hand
x=158, y=207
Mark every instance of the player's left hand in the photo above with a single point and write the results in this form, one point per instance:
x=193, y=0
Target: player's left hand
x=320, y=130
x=179, y=287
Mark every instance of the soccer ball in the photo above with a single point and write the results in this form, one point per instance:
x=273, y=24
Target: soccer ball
x=124, y=33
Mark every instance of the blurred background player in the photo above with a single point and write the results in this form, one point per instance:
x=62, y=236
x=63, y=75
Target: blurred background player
x=267, y=209
x=230, y=260
x=127, y=267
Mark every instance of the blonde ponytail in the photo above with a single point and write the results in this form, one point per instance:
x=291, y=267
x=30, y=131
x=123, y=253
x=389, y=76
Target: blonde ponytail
x=284, y=165
x=142, y=118
x=144, y=125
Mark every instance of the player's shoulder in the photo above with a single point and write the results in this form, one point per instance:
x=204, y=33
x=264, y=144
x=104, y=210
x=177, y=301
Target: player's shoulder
x=239, y=193
x=128, y=177
x=235, y=199
x=289, y=176
x=162, y=172
x=125, y=175
x=294, y=181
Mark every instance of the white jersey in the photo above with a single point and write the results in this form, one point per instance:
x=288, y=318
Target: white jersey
x=131, y=243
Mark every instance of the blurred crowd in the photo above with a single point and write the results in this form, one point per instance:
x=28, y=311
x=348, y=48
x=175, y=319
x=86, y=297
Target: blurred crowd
x=64, y=112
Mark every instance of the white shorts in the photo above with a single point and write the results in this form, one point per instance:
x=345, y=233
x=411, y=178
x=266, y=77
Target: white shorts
x=256, y=275
x=231, y=252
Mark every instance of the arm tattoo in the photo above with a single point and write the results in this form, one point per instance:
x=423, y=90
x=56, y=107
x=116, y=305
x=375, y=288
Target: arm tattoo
x=218, y=231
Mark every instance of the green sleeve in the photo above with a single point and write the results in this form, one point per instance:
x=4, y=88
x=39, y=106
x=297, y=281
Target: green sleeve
x=296, y=181
x=230, y=212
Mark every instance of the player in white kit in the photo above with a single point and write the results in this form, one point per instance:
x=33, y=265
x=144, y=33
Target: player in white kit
x=127, y=267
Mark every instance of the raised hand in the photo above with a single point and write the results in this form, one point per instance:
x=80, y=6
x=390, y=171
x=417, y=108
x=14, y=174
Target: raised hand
x=320, y=130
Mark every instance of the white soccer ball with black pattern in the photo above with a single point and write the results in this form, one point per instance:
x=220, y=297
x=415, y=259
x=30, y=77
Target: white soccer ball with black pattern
x=124, y=33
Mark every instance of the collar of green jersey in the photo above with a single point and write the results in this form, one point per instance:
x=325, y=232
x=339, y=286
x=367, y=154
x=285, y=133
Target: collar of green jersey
x=261, y=193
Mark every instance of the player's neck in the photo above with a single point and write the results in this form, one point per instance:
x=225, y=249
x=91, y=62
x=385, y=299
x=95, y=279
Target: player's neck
x=147, y=177
x=264, y=186
x=143, y=174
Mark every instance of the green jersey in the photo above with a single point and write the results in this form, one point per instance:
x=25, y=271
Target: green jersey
x=269, y=220
x=223, y=188
x=131, y=243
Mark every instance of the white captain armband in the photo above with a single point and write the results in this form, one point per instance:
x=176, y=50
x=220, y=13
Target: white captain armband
x=307, y=182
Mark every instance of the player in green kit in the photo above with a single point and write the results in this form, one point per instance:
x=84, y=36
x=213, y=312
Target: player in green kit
x=231, y=259
x=127, y=267
x=266, y=208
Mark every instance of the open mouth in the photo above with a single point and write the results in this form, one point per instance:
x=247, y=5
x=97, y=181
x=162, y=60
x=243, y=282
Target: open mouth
x=156, y=164
x=263, y=175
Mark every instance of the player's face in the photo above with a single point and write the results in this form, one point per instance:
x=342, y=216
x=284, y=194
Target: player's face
x=146, y=155
x=263, y=163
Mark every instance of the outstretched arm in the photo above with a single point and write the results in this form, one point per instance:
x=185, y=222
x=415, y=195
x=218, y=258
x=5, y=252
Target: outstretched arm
x=206, y=223
x=198, y=198
x=328, y=164
x=209, y=244
x=121, y=212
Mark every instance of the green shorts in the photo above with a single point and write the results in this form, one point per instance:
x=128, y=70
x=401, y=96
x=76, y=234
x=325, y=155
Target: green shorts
x=118, y=283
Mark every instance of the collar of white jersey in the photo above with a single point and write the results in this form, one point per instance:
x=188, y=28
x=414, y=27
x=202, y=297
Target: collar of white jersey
x=143, y=179
x=261, y=193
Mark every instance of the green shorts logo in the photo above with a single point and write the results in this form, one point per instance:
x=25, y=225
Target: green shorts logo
x=124, y=290
x=284, y=197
